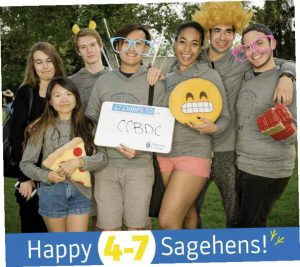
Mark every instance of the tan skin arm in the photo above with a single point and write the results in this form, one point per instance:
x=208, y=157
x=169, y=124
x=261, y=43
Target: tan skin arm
x=284, y=90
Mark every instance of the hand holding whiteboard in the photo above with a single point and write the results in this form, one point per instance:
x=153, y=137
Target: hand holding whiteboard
x=140, y=127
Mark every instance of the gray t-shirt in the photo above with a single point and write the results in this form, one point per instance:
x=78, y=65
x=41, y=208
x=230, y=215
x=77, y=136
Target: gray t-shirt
x=85, y=80
x=50, y=143
x=232, y=73
x=258, y=153
x=116, y=87
x=187, y=141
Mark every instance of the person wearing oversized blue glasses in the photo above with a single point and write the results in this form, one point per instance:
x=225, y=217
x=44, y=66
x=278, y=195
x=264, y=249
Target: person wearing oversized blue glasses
x=122, y=44
x=123, y=189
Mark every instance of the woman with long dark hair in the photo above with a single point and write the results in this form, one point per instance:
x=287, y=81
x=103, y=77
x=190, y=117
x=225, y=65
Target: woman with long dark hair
x=63, y=204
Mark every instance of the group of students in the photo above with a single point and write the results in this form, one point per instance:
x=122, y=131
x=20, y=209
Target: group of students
x=230, y=151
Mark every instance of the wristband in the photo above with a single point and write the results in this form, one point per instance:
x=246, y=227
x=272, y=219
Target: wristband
x=287, y=74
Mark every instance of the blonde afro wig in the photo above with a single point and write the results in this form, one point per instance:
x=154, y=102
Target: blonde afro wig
x=223, y=13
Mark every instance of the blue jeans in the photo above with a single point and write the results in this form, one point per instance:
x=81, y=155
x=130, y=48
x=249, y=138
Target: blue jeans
x=61, y=199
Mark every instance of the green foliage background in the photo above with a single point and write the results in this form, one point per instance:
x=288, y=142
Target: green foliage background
x=21, y=27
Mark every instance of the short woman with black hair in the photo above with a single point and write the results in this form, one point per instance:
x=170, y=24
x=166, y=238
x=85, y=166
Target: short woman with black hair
x=64, y=204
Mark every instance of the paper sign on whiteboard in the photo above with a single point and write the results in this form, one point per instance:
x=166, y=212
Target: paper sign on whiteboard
x=145, y=128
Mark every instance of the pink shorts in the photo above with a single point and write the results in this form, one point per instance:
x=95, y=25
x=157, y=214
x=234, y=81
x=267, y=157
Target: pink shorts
x=196, y=166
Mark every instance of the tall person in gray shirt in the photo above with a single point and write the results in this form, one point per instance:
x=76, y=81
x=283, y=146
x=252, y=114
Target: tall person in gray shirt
x=88, y=45
x=123, y=189
x=266, y=135
x=221, y=21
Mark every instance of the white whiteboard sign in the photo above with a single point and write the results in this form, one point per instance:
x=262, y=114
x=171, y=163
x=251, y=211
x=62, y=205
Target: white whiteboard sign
x=145, y=128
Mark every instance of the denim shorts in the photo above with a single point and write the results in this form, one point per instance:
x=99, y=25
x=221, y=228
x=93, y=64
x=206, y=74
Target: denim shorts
x=61, y=199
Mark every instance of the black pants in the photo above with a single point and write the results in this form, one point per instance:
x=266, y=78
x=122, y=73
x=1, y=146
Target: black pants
x=31, y=221
x=257, y=195
x=223, y=173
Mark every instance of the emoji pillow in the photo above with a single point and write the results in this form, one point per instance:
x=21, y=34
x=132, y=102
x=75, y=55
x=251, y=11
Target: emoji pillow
x=194, y=99
x=71, y=150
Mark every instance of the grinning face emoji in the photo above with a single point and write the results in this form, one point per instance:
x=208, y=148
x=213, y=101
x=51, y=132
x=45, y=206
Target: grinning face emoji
x=193, y=99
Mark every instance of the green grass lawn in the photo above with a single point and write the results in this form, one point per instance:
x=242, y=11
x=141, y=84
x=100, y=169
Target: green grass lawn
x=285, y=212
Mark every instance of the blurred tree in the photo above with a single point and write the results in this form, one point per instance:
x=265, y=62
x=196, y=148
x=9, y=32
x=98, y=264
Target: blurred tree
x=189, y=9
x=279, y=16
x=21, y=27
x=24, y=26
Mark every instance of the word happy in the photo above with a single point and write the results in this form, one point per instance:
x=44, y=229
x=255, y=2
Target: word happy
x=37, y=250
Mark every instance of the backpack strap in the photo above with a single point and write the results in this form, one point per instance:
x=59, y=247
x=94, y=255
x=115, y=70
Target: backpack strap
x=150, y=96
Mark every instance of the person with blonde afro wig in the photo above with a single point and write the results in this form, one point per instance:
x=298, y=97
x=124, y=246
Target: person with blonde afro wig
x=223, y=13
x=221, y=21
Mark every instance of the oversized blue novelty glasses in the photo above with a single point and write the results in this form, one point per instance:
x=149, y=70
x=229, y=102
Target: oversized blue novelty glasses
x=121, y=45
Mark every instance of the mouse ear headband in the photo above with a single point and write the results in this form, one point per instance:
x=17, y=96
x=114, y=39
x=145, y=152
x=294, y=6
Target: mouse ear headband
x=75, y=28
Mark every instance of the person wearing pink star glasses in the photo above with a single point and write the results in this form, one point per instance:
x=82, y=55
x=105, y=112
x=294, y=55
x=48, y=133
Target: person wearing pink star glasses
x=266, y=131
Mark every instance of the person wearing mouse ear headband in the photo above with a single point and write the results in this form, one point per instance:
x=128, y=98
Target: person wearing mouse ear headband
x=89, y=47
x=90, y=30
